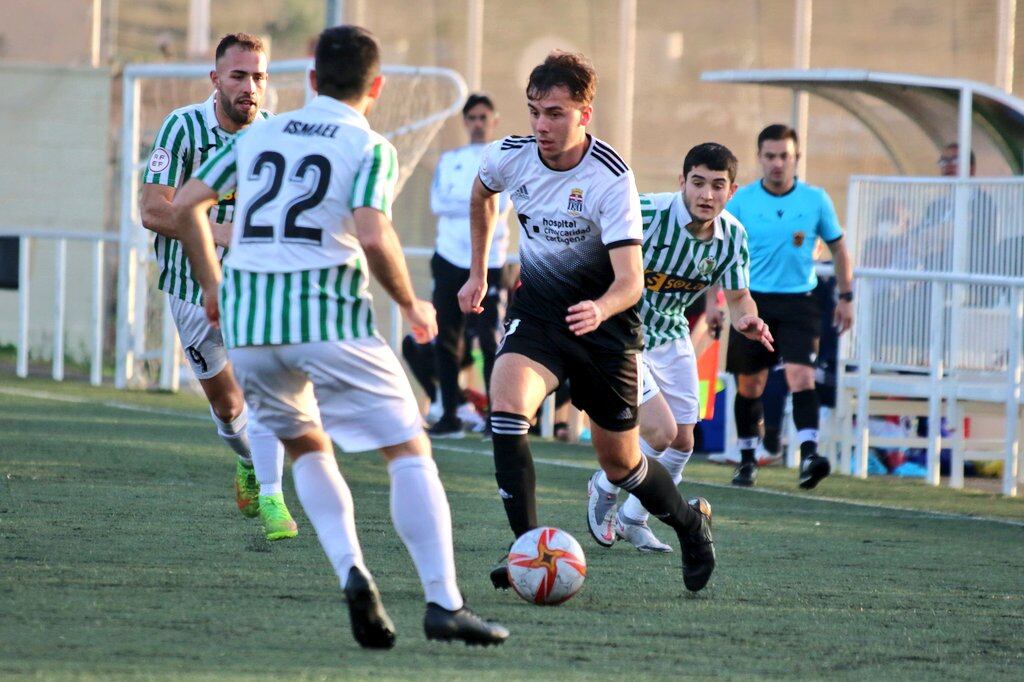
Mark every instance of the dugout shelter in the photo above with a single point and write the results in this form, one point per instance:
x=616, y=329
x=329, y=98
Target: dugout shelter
x=940, y=302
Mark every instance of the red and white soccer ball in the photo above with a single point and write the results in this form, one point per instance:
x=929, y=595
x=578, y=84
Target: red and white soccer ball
x=546, y=566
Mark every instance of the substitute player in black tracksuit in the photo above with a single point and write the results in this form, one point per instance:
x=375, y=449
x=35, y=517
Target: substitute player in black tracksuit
x=449, y=200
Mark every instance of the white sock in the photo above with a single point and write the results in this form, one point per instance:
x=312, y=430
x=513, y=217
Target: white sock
x=327, y=500
x=648, y=449
x=420, y=512
x=805, y=435
x=267, y=457
x=674, y=462
x=235, y=434
x=604, y=484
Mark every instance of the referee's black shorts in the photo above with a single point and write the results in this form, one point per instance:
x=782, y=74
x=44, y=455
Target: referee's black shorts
x=604, y=384
x=794, y=321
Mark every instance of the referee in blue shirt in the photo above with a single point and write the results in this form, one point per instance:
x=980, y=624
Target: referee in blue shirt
x=784, y=218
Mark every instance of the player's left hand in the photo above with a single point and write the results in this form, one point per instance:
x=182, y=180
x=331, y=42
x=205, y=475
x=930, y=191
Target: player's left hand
x=584, y=317
x=211, y=303
x=755, y=329
x=843, y=318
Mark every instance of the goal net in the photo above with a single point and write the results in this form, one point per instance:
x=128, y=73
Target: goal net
x=411, y=110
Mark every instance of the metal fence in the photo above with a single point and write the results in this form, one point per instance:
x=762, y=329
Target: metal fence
x=939, y=316
x=908, y=224
x=27, y=239
x=938, y=225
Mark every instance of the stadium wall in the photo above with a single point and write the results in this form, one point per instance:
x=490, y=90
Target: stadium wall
x=55, y=133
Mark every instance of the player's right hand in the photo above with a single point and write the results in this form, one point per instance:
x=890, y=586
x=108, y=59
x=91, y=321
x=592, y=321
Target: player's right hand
x=755, y=329
x=211, y=303
x=422, y=317
x=472, y=293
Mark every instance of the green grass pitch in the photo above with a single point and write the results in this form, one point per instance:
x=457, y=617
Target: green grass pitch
x=122, y=555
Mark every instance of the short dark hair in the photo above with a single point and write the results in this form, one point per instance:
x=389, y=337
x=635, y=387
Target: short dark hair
x=956, y=146
x=246, y=41
x=570, y=70
x=475, y=99
x=778, y=131
x=716, y=157
x=347, y=60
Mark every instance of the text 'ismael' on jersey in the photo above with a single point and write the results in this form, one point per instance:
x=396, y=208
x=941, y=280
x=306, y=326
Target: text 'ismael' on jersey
x=311, y=129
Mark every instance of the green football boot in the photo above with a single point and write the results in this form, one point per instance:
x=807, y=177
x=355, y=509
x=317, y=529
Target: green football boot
x=277, y=522
x=247, y=490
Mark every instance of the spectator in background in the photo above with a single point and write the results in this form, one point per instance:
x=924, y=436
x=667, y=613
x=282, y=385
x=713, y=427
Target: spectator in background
x=449, y=200
x=887, y=246
x=983, y=221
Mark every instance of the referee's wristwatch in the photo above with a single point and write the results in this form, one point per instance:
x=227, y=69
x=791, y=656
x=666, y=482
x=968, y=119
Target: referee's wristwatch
x=846, y=296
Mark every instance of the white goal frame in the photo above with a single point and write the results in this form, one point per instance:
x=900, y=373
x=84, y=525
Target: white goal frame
x=135, y=240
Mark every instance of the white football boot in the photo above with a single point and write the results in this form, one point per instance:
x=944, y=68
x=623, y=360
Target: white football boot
x=640, y=536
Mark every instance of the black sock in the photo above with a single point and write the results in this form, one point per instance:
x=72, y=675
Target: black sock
x=513, y=469
x=805, y=418
x=653, y=486
x=771, y=440
x=749, y=417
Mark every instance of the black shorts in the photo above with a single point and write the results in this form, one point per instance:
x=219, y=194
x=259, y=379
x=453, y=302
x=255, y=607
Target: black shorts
x=604, y=384
x=794, y=321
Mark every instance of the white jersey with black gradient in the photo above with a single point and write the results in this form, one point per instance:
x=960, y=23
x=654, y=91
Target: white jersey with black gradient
x=570, y=220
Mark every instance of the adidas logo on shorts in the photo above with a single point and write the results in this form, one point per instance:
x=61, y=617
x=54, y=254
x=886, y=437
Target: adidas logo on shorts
x=627, y=413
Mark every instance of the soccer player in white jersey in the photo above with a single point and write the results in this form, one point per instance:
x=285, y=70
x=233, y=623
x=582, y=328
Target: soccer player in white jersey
x=690, y=244
x=314, y=189
x=187, y=138
x=575, y=315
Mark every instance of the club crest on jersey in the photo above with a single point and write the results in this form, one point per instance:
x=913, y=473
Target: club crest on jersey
x=159, y=160
x=798, y=239
x=706, y=266
x=575, y=206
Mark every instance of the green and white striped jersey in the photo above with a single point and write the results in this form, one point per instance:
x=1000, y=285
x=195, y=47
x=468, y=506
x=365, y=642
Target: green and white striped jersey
x=187, y=138
x=295, y=272
x=273, y=308
x=678, y=268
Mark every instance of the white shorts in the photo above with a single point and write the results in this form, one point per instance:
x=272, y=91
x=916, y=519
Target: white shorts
x=356, y=390
x=203, y=344
x=673, y=368
x=648, y=386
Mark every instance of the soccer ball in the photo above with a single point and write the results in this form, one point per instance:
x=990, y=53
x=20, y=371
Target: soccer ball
x=546, y=566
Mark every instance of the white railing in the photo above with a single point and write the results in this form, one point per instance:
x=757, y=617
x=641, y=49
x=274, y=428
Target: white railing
x=939, y=289
x=938, y=224
x=918, y=336
x=27, y=237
